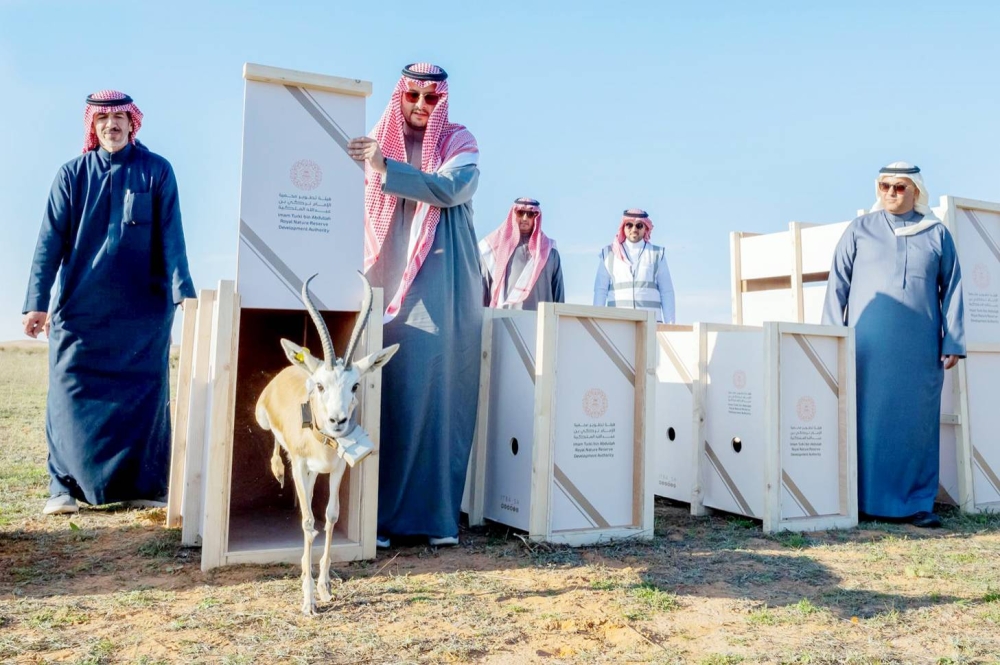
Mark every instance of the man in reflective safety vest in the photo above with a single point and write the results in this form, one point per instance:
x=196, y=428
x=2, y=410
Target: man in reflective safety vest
x=633, y=272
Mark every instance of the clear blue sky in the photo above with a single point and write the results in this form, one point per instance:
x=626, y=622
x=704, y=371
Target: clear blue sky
x=713, y=116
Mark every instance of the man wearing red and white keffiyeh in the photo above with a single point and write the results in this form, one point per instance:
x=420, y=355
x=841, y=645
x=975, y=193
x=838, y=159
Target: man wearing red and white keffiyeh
x=106, y=107
x=521, y=263
x=421, y=171
x=111, y=236
x=633, y=272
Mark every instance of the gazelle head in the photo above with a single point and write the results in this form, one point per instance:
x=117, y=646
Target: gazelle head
x=333, y=382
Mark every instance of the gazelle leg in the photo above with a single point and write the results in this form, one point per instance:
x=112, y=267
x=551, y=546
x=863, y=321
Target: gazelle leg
x=332, y=513
x=305, y=481
x=278, y=464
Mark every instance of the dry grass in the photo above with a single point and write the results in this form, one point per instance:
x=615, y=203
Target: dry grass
x=113, y=586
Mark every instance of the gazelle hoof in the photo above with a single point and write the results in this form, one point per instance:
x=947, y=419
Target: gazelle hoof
x=323, y=589
x=309, y=609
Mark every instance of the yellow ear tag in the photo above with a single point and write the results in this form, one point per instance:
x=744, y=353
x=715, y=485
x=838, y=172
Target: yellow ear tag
x=301, y=355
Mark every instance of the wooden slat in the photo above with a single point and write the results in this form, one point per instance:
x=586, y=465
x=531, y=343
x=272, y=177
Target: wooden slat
x=595, y=537
x=539, y=518
x=973, y=204
x=766, y=284
x=963, y=442
x=850, y=402
x=772, y=428
x=338, y=552
x=843, y=406
x=798, y=304
x=813, y=329
x=180, y=408
x=736, y=283
x=218, y=470
x=982, y=348
x=700, y=385
x=477, y=467
x=589, y=311
x=364, y=496
x=642, y=422
x=194, y=458
x=263, y=73
x=820, y=523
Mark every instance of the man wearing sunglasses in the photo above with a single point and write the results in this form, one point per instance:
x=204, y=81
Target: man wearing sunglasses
x=521, y=264
x=896, y=279
x=420, y=247
x=633, y=272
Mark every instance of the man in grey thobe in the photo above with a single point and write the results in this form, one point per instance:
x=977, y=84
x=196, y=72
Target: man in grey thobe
x=520, y=263
x=896, y=280
x=420, y=247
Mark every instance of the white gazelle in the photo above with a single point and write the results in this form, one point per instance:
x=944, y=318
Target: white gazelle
x=308, y=407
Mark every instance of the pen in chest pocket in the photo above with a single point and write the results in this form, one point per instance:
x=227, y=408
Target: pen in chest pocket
x=128, y=207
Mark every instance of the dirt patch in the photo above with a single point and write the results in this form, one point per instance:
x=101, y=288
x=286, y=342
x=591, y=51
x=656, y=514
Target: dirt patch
x=112, y=585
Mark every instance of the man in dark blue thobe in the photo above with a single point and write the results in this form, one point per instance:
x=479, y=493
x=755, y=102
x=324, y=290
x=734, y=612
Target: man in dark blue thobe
x=112, y=231
x=895, y=278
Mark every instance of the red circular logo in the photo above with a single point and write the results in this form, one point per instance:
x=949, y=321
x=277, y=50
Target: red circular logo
x=306, y=174
x=806, y=409
x=981, y=276
x=740, y=379
x=595, y=403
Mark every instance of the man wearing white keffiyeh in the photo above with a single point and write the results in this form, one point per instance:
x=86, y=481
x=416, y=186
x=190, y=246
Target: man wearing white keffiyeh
x=420, y=247
x=521, y=264
x=896, y=280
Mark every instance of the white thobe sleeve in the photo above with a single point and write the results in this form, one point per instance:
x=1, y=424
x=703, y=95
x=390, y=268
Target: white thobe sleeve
x=666, y=288
x=602, y=283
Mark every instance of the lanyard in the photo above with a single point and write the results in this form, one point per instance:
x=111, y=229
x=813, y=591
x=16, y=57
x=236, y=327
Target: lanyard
x=634, y=265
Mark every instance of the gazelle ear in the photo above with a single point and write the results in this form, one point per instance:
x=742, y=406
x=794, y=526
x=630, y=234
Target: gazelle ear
x=376, y=360
x=300, y=356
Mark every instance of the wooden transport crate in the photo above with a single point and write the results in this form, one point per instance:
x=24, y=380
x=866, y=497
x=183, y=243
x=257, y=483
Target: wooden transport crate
x=222, y=493
x=301, y=202
x=564, y=432
x=776, y=436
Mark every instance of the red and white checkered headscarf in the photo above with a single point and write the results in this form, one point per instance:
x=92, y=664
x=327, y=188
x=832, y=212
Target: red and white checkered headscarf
x=498, y=246
x=631, y=215
x=446, y=146
x=90, y=141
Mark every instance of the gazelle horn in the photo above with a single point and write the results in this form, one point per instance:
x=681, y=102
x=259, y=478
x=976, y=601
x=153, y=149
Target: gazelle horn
x=329, y=355
x=366, y=310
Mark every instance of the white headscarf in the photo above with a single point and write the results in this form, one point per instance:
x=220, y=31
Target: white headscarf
x=912, y=173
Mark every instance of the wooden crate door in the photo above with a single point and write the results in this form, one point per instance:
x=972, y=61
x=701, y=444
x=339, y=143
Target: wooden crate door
x=511, y=409
x=676, y=367
x=981, y=371
x=811, y=454
x=977, y=232
x=594, y=446
x=734, y=447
